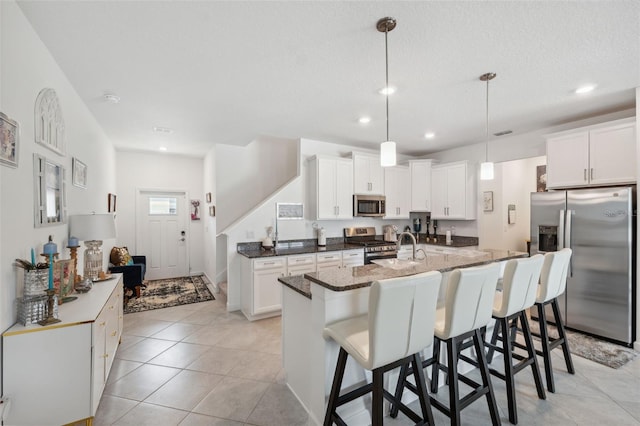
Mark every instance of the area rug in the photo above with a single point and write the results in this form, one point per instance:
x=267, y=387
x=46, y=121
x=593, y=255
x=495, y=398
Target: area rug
x=591, y=348
x=170, y=292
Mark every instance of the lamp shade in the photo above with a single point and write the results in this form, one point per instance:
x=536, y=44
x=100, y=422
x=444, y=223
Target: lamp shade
x=89, y=227
x=486, y=171
x=388, y=154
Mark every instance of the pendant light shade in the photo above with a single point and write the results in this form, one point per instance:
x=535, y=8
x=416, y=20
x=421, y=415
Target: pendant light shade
x=486, y=168
x=387, y=148
x=388, y=154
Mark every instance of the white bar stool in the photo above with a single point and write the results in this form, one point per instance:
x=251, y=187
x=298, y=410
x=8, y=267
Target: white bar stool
x=467, y=310
x=553, y=282
x=399, y=324
x=519, y=288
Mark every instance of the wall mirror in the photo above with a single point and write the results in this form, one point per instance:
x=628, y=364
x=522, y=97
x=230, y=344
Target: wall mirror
x=49, y=192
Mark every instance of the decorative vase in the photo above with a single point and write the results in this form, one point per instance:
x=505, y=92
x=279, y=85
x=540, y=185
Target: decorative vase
x=36, y=282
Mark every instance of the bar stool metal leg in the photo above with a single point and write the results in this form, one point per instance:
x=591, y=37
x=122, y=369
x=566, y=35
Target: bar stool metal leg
x=332, y=404
x=562, y=335
x=486, y=380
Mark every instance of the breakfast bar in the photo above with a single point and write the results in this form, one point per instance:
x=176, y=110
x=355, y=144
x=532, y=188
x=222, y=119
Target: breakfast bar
x=312, y=300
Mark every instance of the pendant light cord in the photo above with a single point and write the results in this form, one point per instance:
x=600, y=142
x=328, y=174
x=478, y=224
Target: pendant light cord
x=386, y=60
x=487, y=144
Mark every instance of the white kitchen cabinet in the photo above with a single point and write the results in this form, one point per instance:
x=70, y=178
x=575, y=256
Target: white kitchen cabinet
x=328, y=260
x=453, y=191
x=300, y=264
x=351, y=258
x=397, y=188
x=331, y=183
x=262, y=292
x=420, y=177
x=368, y=174
x=56, y=374
x=603, y=154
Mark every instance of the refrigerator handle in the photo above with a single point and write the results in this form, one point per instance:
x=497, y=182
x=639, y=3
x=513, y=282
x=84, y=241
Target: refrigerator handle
x=568, y=240
x=561, y=230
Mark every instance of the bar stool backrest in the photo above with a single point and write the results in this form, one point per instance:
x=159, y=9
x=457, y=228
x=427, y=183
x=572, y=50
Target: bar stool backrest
x=469, y=299
x=519, y=285
x=402, y=314
x=553, y=279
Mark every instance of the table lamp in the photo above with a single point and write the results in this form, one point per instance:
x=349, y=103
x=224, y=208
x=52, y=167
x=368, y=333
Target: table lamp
x=92, y=229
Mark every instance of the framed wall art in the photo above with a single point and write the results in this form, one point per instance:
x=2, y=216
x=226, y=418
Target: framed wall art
x=9, y=138
x=79, y=173
x=111, y=203
x=49, y=122
x=50, y=201
x=212, y=211
x=487, y=201
x=195, y=209
x=208, y=197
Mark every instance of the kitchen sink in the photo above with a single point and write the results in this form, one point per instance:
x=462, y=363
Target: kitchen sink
x=396, y=263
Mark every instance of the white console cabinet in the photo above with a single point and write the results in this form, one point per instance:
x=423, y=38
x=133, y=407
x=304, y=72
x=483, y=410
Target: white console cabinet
x=603, y=154
x=56, y=374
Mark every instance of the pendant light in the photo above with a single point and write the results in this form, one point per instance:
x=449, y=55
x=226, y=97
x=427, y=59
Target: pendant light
x=486, y=168
x=387, y=148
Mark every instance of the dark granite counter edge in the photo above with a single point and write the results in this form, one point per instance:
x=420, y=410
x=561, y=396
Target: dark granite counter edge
x=260, y=252
x=411, y=271
x=297, y=283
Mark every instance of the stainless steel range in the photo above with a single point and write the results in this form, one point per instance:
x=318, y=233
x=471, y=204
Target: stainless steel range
x=374, y=247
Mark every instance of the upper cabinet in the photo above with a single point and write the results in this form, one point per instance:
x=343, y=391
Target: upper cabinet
x=420, y=176
x=368, y=174
x=331, y=183
x=396, y=186
x=597, y=155
x=453, y=191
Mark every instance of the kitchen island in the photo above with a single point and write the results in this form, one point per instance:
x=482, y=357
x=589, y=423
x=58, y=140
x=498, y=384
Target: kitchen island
x=316, y=299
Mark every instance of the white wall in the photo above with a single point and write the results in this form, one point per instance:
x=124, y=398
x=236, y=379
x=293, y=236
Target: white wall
x=209, y=236
x=26, y=67
x=137, y=170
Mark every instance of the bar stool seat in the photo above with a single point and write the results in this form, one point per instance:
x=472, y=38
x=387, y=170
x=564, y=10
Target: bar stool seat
x=398, y=326
x=467, y=311
x=520, y=285
x=553, y=282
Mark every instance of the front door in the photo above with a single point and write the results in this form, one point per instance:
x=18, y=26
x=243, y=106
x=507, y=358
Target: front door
x=162, y=233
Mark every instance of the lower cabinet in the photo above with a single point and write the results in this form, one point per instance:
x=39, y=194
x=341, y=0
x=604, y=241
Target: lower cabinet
x=351, y=258
x=262, y=293
x=329, y=260
x=56, y=374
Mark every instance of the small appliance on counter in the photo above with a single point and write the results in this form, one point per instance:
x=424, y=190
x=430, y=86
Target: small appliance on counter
x=322, y=237
x=390, y=233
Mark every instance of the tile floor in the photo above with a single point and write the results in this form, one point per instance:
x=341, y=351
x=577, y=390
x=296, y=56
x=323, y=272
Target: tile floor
x=200, y=365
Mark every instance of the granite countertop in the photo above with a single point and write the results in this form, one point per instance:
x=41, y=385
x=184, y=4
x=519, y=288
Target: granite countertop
x=297, y=283
x=343, y=279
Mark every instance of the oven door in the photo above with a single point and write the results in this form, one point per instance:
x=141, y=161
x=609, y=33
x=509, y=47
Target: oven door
x=369, y=257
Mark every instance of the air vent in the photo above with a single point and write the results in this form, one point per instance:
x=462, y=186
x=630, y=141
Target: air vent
x=504, y=132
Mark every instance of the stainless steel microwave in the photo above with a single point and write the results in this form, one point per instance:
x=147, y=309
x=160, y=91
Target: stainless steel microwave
x=369, y=205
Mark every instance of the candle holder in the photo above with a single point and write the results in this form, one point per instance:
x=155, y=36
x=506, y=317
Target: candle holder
x=51, y=301
x=74, y=256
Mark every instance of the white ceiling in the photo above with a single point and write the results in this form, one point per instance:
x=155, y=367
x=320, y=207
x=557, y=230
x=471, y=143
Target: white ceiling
x=228, y=72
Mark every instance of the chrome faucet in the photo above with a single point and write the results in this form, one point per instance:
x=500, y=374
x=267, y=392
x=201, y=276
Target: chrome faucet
x=413, y=241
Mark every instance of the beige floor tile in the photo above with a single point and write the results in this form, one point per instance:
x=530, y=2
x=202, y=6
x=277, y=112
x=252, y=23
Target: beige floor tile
x=128, y=340
x=144, y=327
x=207, y=335
x=112, y=408
x=152, y=415
x=121, y=368
x=177, y=331
x=219, y=360
x=141, y=382
x=185, y=390
x=278, y=406
x=180, y=355
x=194, y=419
x=632, y=408
x=145, y=350
x=258, y=366
x=232, y=399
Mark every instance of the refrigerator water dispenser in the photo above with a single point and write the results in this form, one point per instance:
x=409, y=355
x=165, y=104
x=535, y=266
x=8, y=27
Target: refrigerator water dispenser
x=548, y=238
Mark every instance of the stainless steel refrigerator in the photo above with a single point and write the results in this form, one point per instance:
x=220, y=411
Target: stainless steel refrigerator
x=599, y=226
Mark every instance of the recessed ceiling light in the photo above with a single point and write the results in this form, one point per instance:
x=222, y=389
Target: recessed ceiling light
x=364, y=120
x=162, y=148
x=387, y=90
x=162, y=129
x=429, y=135
x=585, y=89
x=111, y=98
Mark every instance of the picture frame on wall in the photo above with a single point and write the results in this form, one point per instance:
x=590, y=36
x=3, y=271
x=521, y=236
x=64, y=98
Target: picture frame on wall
x=487, y=201
x=208, y=197
x=212, y=211
x=111, y=203
x=79, y=173
x=9, y=140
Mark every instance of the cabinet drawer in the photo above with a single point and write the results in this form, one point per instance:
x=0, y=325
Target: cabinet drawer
x=353, y=254
x=329, y=257
x=273, y=263
x=306, y=259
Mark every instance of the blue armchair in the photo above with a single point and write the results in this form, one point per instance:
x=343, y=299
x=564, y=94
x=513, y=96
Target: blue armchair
x=132, y=275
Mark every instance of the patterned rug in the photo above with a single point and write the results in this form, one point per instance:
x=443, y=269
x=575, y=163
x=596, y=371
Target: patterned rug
x=170, y=292
x=591, y=348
